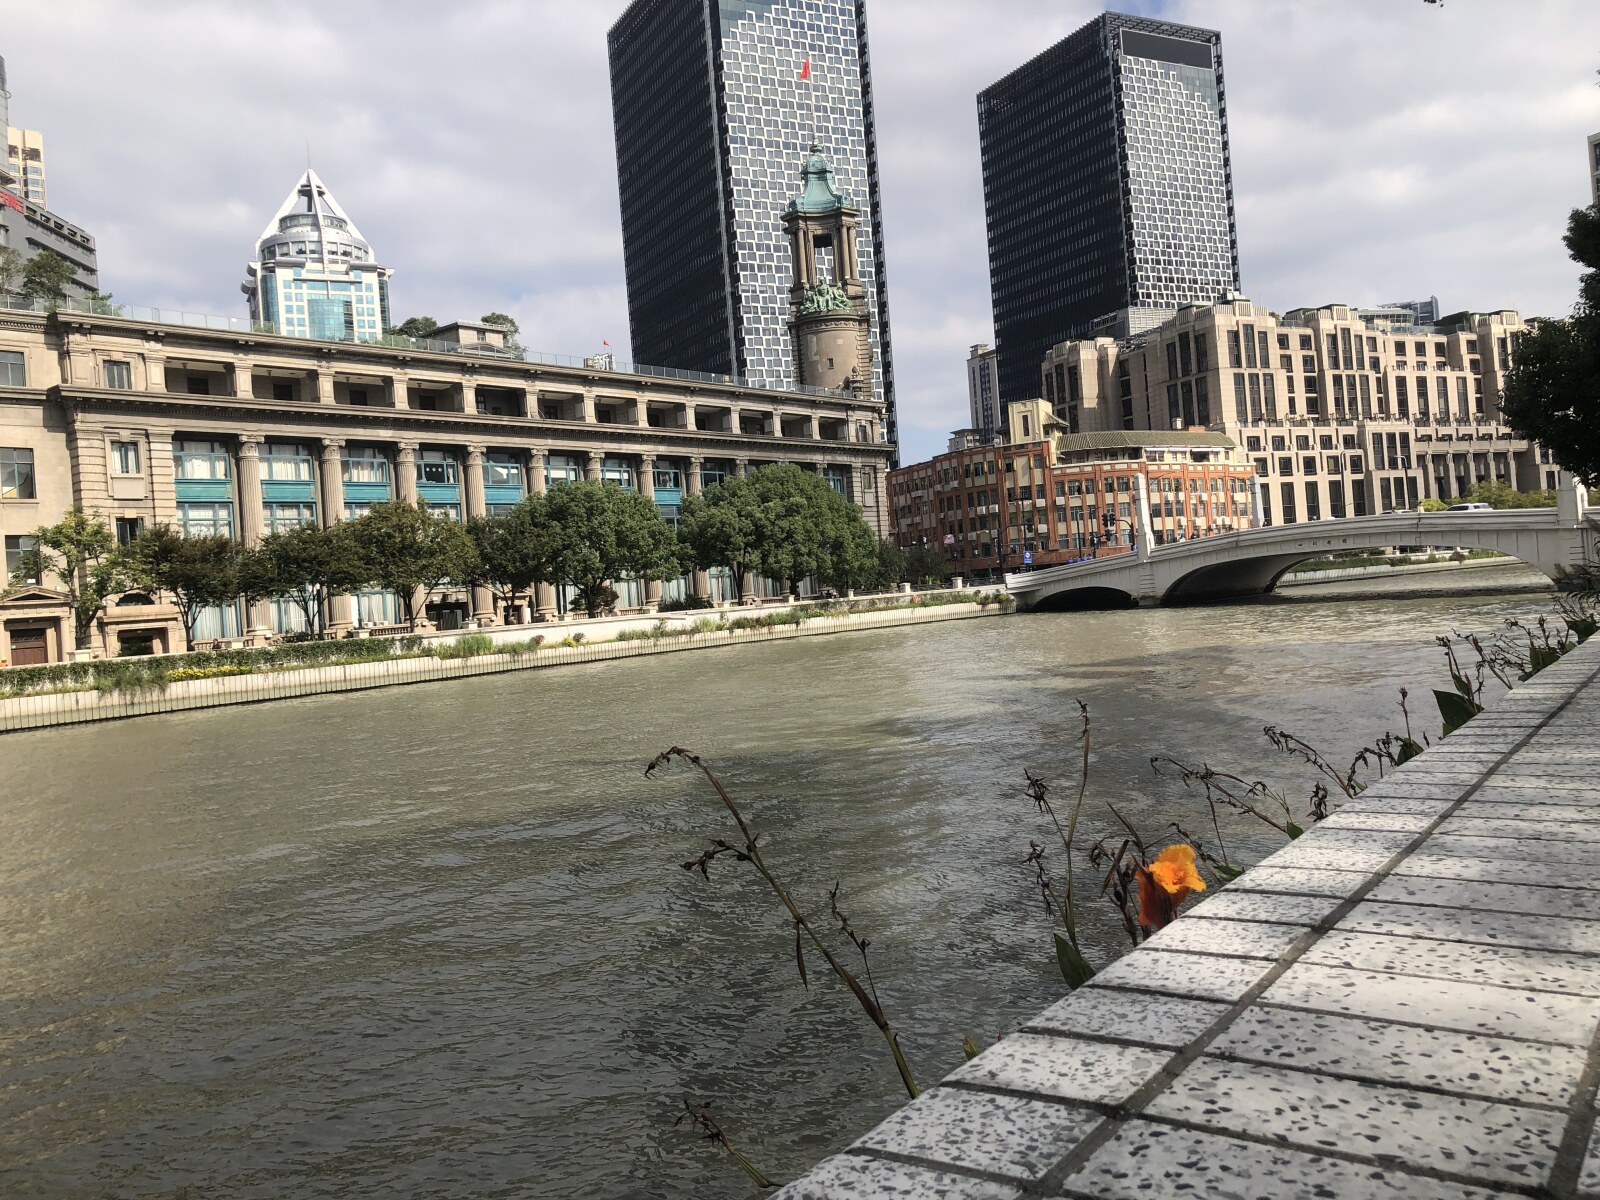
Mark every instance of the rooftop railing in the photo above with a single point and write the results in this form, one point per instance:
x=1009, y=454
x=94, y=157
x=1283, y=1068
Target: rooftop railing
x=600, y=362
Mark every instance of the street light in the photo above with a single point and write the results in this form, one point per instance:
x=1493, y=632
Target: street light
x=1110, y=521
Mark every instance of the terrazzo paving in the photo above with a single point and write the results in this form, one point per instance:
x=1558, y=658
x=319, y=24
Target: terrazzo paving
x=1403, y=1003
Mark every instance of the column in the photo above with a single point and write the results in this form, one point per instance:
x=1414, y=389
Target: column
x=405, y=472
x=399, y=391
x=243, y=384
x=155, y=373
x=591, y=469
x=691, y=484
x=258, y=620
x=341, y=609
x=483, y=609
x=544, y=594
x=588, y=406
x=1142, y=516
x=469, y=395
x=741, y=467
x=324, y=386
x=647, y=489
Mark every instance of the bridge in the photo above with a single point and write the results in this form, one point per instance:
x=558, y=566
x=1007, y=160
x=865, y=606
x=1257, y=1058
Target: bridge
x=1559, y=541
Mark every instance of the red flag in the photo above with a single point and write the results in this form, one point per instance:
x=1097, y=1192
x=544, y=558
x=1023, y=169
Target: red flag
x=805, y=68
x=603, y=342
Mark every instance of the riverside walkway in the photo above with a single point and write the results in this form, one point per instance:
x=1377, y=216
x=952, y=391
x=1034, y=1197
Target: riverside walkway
x=1404, y=1002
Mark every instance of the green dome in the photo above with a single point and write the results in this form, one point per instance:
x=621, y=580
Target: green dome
x=818, y=193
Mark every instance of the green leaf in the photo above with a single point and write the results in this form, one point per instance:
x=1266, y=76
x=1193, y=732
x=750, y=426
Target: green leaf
x=971, y=1049
x=1540, y=657
x=1456, y=710
x=1294, y=831
x=1409, y=749
x=1075, y=969
x=1225, y=872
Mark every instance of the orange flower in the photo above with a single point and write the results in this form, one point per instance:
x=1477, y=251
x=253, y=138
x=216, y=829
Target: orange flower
x=1165, y=884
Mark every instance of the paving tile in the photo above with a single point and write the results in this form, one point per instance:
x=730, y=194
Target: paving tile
x=1527, y=850
x=1009, y=1135
x=1500, y=966
x=1589, y=1175
x=1576, y=784
x=1521, y=872
x=1329, y=855
x=1487, y=1141
x=1232, y=905
x=1486, y=928
x=851, y=1177
x=1526, y=810
x=1546, y=829
x=1374, y=799
x=1564, y=771
x=1248, y=939
x=1308, y=880
x=1201, y=975
x=1490, y=897
x=1568, y=1020
x=1063, y=1067
x=1401, y=787
x=1145, y=1160
x=1470, y=1064
x=1394, y=822
x=1532, y=793
x=1157, y=1020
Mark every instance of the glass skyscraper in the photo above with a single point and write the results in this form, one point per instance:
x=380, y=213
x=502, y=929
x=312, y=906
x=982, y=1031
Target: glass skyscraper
x=1107, y=187
x=713, y=123
x=313, y=274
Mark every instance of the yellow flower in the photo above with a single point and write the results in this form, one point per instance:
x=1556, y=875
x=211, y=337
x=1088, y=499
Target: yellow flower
x=1174, y=870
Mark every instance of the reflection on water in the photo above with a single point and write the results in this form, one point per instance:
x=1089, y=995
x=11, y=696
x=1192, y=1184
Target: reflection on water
x=435, y=941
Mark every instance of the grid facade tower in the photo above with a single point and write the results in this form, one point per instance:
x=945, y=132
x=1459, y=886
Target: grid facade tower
x=711, y=116
x=1107, y=187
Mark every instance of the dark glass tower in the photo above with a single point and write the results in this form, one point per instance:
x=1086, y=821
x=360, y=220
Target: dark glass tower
x=1106, y=184
x=713, y=124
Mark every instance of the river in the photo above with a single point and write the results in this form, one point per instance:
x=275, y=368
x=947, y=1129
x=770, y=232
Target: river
x=435, y=941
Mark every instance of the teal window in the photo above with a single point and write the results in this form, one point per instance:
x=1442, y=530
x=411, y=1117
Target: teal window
x=437, y=466
x=365, y=464
x=614, y=470
x=16, y=474
x=561, y=468
x=205, y=520
x=452, y=511
x=196, y=459
x=286, y=461
x=281, y=517
x=713, y=472
x=668, y=477
x=502, y=470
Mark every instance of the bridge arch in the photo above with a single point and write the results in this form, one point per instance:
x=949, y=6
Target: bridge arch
x=1089, y=598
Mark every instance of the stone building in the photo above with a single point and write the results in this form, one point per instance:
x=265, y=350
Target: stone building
x=1342, y=411
x=1043, y=495
x=213, y=427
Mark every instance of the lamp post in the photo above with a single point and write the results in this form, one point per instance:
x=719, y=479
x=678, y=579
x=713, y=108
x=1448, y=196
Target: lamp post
x=1110, y=521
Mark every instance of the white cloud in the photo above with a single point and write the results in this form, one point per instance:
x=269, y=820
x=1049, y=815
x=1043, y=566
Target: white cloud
x=1381, y=149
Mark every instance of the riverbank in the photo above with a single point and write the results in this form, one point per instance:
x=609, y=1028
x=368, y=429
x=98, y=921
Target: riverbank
x=1300, y=578
x=455, y=656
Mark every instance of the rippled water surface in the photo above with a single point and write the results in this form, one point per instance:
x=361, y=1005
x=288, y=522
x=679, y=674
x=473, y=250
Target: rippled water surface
x=435, y=941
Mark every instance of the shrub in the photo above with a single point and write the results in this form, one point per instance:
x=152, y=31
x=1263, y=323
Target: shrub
x=185, y=673
x=685, y=604
x=578, y=638
x=468, y=645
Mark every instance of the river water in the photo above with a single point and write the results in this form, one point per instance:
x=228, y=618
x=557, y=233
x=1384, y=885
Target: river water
x=435, y=941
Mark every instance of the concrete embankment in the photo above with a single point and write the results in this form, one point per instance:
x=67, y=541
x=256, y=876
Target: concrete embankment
x=1404, y=1001
x=1296, y=578
x=78, y=707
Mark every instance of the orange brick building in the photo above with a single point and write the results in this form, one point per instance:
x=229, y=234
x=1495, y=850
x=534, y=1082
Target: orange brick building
x=1046, y=497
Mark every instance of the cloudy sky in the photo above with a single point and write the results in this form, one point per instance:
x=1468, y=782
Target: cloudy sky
x=1382, y=149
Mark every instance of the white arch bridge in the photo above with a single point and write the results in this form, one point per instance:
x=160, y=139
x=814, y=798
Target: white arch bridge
x=1559, y=541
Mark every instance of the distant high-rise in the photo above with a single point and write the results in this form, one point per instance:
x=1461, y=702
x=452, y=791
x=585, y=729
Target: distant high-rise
x=313, y=274
x=25, y=158
x=1107, y=187
x=983, y=391
x=714, y=105
x=1594, y=168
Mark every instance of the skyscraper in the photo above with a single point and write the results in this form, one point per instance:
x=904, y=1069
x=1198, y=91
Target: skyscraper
x=313, y=274
x=25, y=157
x=1107, y=187
x=715, y=103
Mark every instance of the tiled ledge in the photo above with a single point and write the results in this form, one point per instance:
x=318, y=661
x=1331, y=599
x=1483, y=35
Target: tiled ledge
x=1404, y=1002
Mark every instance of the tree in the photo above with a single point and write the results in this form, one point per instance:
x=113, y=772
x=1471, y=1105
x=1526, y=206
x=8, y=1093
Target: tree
x=511, y=327
x=852, y=558
x=792, y=524
x=46, y=277
x=925, y=564
x=416, y=327
x=891, y=565
x=1503, y=495
x=1552, y=391
x=10, y=271
x=718, y=528
x=199, y=572
x=308, y=566
x=600, y=533
x=515, y=549
x=404, y=547
x=81, y=551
